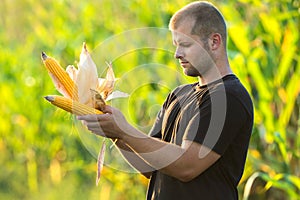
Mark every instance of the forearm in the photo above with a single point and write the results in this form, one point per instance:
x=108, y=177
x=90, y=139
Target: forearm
x=182, y=162
x=133, y=159
x=158, y=154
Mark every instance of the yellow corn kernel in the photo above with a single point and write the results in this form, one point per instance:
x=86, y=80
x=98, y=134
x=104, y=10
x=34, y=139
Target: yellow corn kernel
x=71, y=106
x=61, y=75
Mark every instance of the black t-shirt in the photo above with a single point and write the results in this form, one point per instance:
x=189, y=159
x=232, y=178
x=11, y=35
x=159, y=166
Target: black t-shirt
x=219, y=116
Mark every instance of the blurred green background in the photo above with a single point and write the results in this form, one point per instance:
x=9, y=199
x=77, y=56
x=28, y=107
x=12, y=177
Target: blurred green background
x=43, y=155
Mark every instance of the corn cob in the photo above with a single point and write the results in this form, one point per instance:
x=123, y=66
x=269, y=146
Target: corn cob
x=71, y=106
x=61, y=77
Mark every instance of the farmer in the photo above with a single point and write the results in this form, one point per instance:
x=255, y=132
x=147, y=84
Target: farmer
x=197, y=147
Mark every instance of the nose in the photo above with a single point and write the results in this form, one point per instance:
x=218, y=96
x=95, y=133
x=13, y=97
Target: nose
x=178, y=53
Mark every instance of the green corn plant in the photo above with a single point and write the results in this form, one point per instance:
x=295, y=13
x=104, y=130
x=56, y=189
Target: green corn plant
x=265, y=55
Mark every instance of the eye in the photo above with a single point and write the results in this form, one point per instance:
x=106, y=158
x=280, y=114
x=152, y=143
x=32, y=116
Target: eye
x=185, y=44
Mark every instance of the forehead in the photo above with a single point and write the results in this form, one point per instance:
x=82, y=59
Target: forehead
x=183, y=32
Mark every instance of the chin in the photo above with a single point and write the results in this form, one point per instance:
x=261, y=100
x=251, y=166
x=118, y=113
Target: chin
x=191, y=72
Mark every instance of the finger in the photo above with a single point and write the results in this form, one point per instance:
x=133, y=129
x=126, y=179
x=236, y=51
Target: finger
x=93, y=118
x=93, y=125
x=97, y=132
x=87, y=117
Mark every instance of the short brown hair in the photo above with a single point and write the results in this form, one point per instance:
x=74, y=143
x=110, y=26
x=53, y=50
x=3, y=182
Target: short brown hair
x=207, y=19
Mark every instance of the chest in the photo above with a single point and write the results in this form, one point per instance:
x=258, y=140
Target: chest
x=180, y=110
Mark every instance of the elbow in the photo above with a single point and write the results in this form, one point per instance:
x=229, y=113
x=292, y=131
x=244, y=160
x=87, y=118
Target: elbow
x=187, y=175
x=147, y=174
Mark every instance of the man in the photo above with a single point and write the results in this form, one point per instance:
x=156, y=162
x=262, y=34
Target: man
x=198, y=144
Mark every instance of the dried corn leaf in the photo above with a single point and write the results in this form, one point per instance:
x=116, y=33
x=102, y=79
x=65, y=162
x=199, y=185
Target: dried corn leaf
x=106, y=86
x=59, y=86
x=87, y=77
x=72, y=71
x=100, y=162
x=116, y=94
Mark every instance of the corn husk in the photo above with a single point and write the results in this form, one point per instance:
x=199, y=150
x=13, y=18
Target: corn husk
x=92, y=90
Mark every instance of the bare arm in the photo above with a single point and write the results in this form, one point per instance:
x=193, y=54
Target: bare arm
x=182, y=162
x=134, y=160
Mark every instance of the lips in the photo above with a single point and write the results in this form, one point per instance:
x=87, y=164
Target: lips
x=184, y=63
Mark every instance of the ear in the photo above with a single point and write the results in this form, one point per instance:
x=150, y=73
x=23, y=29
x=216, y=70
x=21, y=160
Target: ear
x=215, y=41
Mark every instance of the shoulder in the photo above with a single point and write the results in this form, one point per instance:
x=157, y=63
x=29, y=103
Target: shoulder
x=177, y=92
x=235, y=92
x=232, y=86
x=235, y=89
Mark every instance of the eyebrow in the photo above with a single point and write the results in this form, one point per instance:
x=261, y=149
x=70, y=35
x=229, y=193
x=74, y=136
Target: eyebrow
x=180, y=41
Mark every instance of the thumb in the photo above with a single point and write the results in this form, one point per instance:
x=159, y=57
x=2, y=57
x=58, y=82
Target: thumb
x=107, y=109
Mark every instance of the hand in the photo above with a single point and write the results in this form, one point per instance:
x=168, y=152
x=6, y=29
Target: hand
x=112, y=124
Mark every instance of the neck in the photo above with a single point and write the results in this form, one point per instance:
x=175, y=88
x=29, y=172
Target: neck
x=218, y=71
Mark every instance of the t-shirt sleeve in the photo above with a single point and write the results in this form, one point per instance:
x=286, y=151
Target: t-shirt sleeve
x=157, y=126
x=216, y=122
